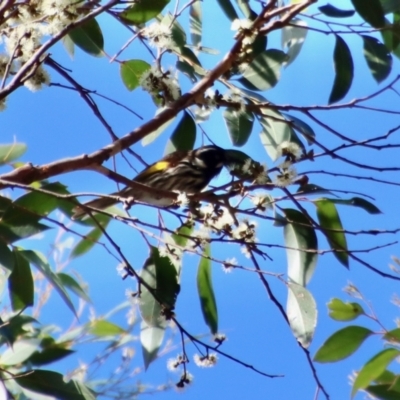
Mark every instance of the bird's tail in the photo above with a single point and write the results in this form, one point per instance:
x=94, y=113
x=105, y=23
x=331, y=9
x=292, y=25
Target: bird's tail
x=101, y=204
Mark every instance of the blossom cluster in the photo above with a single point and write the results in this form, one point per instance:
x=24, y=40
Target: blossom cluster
x=22, y=28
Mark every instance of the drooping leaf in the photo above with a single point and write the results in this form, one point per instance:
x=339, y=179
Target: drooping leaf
x=20, y=283
x=89, y=38
x=342, y=344
x=300, y=126
x=6, y=257
x=370, y=11
x=378, y=58
x=151, y=338
x=184, y=135
x=90, y=239
x=239, y=124
x=358, y=202
x=53, y=384
x=301, y=247
x=206, y=292
x=275, y=131
x=41, y=263
x=196, y=22
x=70, y=283
x=156, y=133
x=228, y=9
x=293, y=38
x=183, y=233
x=301, y=311
x=11, y=152
x=178, y=34
x=332, y=228
x=143, y=11
x=373, y=368
x=263, y=72
x=344, y=70
x=340, y=311
x=332, y=11
x=162, y=278
x=131, y=71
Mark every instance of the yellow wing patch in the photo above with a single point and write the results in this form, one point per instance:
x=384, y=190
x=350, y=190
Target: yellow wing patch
x=156, y=167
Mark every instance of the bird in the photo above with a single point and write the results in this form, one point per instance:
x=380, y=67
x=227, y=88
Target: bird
x=187, y=171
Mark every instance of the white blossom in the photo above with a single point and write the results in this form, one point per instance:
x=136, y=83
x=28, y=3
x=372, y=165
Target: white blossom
x=159, y=35
x=206, y=361
x=289, y=148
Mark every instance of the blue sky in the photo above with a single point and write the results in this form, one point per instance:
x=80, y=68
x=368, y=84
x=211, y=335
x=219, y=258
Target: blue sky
x=55, y=124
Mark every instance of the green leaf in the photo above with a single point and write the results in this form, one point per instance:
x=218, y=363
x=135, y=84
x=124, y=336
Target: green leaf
x=105, y=328
x=41, y=263
x=342, y=344
x=183, y=233
x=393, y=335
x=178, y=33
x=89, y=38
x=20, y=283
x=31, y=207
x=300, y=126
x=49, y=354
x=156, y=133
x=184, y=135
x=239, y=124
x=196, y=22
x=131, y=71
x=385, y=392
x=301, y=311
x=13, y=329
x=6, y=257
x=11, y=234
x=275, y=131
x=206, y=292
x=143, y=11
x=343, y=63
x=52, y=384
x=90, y=240
x=19, y=352
x=11, y=152
x=162, y=276
x=68, y=45
x=151, y=338
x=332, y=228
x=390, y=6
x=310, y=188
x=263, y=72
x=340, y=311
x=391, y=34
x=378, y=58
x=373, y=368
x=301, y=247
x=358, y=202
x=70, y=283
x=228, y=9
x=332, y=11
x=370, y=11
x=293, y=37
